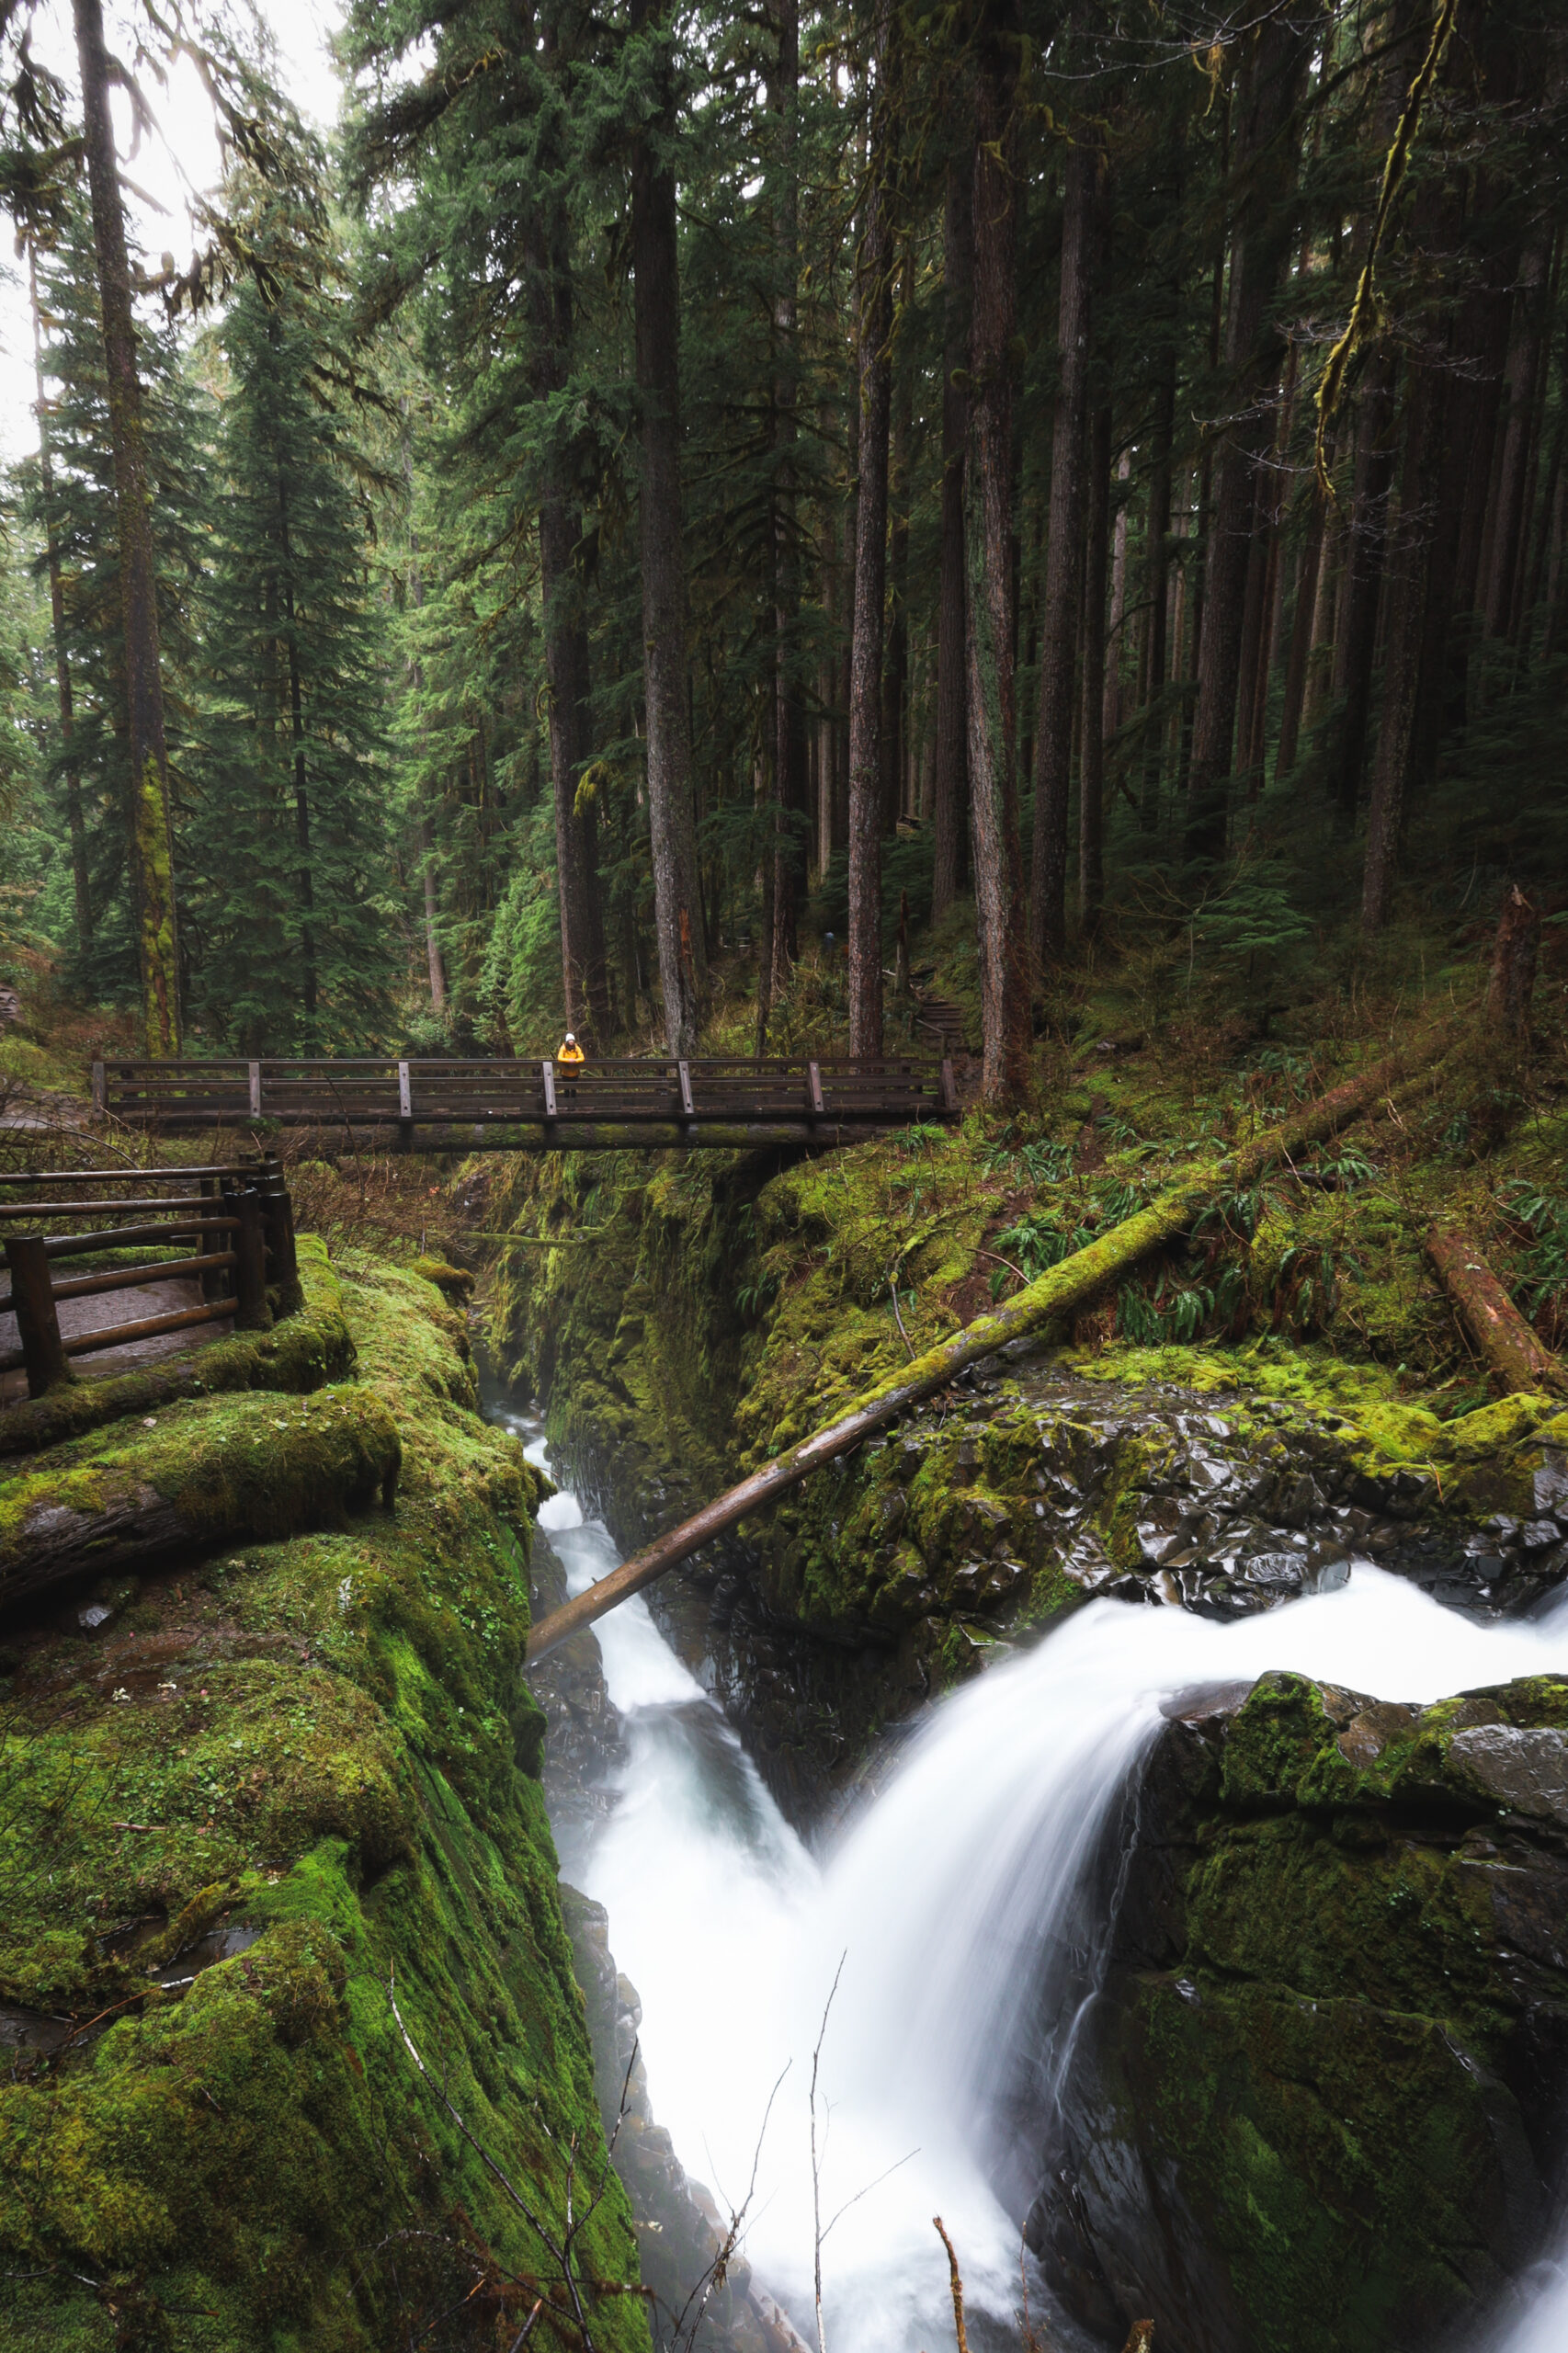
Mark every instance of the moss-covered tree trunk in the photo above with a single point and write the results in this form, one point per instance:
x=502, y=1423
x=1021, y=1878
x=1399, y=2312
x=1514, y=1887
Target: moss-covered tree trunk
x=73, y=818
x=149, y=832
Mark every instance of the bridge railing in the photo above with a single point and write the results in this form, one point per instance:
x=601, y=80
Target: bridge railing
x=387, y=1091
x=223, y=1232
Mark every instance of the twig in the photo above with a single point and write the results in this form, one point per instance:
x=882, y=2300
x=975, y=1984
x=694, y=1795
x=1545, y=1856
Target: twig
x=957, y=2283
x=816, y=2168
x=898, y=1321
x=1002, y=1262
x=718, y=2270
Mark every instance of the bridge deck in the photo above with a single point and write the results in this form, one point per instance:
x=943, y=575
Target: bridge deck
x=538, y=1105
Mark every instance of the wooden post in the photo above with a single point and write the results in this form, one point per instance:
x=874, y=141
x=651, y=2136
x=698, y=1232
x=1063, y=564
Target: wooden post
x=688, y=1107
x=548, y=1069
x=813, y=1089
x=255, y=1090
x=405, y=1093
x=252, y=1313
x=37, y=1323
x=213, y=1280
x=950, y=1089
x=100, y=1088
x=277, y=1211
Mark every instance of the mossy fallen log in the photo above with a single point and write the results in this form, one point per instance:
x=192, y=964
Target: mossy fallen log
x=301, y=1352
x=221, y=1470
x=1062, y=1292
x=1489, y=1316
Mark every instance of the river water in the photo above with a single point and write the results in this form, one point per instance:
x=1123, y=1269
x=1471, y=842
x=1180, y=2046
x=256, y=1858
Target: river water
x=932, y=1911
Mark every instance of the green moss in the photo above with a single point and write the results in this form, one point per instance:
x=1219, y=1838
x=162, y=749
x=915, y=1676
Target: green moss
x=326, y=1739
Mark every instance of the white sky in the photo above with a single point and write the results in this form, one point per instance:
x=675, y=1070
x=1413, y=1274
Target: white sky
x=187, y=152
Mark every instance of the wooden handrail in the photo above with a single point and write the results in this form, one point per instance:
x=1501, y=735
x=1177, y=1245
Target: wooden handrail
x=253, y=1206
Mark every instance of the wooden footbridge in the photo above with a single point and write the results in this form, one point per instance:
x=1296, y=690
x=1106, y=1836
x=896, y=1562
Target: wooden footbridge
x=502, y=1106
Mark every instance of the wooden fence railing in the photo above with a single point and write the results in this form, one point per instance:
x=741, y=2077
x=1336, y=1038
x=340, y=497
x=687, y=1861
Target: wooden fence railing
x=535, y=1105
x=230, y=1229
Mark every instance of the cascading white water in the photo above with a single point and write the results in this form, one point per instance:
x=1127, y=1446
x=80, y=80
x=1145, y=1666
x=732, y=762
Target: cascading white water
x=938, y=1901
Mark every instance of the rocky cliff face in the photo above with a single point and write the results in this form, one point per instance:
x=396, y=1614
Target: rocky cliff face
x=1318, y=2106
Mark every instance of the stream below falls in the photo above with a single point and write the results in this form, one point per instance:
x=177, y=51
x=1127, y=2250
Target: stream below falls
x=952, y=1913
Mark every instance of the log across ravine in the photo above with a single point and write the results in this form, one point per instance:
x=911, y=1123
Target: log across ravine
x=1060, y=1291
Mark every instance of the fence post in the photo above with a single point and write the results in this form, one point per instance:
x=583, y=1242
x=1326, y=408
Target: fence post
x=213, y=1280
x=252, y=1313
x=38, y=1322
x=100, y=1088
x=278, y=1210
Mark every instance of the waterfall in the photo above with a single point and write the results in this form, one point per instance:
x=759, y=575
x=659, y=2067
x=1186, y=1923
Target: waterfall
x=954, y=1906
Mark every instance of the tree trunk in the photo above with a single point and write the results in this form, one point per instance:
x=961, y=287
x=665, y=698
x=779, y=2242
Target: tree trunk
x=1110, y=714
x=683, y=971
x=1301, y=647
x=895, y=669
x=1063, y=561
x=1156, y=583
x=790, y=792
x=432, y=939
x=1512, y=988
x=1091, y=756
x=304, y=881
x=550, y=306
x=74, y=821
x=150, y=833
x=988, y=496
x=1264, y=167
x=1355, y=650
x=1506, y=1342
x=1408, y=563
x=873, y=310
x=950, y=813
x=1525, y=348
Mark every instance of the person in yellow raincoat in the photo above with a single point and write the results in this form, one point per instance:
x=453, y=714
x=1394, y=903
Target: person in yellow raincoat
x=569, y=1057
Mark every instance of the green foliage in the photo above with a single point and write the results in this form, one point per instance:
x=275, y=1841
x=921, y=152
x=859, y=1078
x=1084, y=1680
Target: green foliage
x=286, y=840
x=1034, y=1243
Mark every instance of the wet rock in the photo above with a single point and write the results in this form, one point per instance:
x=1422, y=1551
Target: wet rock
x=1027, y=1491
x=1320, y=2101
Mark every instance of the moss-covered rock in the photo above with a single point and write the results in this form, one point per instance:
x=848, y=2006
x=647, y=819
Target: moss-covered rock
x=1318, y=2106
x=282, y=1783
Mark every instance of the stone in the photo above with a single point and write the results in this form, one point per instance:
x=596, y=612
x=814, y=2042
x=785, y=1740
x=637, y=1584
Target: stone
x=1317, y=2105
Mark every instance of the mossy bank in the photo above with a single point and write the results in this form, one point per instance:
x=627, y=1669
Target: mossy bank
x=280, y=1773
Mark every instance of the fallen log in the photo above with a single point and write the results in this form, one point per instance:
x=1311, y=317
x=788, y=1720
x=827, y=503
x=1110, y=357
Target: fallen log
x=1060, y=1292
x=1489, y=1316
x=220, y=1470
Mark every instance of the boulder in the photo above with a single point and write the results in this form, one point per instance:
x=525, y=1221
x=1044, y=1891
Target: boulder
x=1318, y=2103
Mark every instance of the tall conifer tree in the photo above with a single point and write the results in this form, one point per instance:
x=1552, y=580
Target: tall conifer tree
x=288, y=837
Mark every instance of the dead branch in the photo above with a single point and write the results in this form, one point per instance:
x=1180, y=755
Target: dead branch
x=940, y=2229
